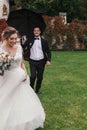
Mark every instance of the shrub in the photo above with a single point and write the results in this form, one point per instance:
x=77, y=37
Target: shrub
x=65, y=36
x=3, y=25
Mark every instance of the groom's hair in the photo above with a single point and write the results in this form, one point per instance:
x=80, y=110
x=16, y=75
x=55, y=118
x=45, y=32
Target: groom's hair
x=37, y=27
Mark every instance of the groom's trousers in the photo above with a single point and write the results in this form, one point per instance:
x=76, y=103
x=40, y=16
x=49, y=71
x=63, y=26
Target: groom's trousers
x=36, y=72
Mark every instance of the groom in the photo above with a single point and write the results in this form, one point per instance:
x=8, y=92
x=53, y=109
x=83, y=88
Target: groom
x=39, y=56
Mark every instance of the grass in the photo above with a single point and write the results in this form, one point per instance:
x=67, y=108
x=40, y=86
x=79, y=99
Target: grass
x=64, y=91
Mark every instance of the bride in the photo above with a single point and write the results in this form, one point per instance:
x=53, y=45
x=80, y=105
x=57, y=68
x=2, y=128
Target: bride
x=20, y=108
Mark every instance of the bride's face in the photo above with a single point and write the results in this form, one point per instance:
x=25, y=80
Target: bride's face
x=12, y=40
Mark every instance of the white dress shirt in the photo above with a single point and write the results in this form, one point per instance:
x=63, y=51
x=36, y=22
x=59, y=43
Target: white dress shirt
x=36, y=52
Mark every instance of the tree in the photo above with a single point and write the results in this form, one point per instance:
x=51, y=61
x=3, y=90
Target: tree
x=73, y=8
x=84, y=9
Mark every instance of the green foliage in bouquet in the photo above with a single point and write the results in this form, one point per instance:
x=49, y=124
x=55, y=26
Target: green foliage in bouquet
x=5, y=62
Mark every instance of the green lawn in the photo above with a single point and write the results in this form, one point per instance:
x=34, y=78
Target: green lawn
x=64, y=91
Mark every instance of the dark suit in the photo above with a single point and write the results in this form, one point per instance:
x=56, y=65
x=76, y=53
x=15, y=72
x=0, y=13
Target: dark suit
x=37, y=66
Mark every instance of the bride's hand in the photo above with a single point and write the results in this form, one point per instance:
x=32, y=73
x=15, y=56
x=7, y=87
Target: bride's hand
x=25, y=77
x=23, y=67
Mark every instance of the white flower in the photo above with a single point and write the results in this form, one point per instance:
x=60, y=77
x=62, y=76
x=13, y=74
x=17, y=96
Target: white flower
x=5, y=62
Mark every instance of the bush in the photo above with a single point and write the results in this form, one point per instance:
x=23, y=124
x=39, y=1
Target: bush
x=65, y=36
x=3, y=25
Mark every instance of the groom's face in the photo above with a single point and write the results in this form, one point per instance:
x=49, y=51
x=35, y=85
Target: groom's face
x=37, y=32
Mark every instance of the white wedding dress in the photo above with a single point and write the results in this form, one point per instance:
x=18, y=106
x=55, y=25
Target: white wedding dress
x=20, y=108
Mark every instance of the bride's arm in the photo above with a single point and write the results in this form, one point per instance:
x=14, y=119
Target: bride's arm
x=22, y=63
x=24, y=68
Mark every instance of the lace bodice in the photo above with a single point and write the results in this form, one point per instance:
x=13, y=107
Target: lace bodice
x=17, y=58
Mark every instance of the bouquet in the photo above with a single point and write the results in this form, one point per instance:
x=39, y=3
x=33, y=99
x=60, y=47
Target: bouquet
x=5, y=62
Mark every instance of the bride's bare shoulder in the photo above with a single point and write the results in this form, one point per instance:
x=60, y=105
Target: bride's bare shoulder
x=1, y=47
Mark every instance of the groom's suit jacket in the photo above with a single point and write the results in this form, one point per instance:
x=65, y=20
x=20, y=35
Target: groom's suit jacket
x=45, y=48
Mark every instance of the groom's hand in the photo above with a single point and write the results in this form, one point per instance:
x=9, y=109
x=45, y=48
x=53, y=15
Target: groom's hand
x=24, y=39
x=48, y=63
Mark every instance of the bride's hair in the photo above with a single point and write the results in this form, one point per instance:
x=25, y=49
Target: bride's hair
x=8, y=32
